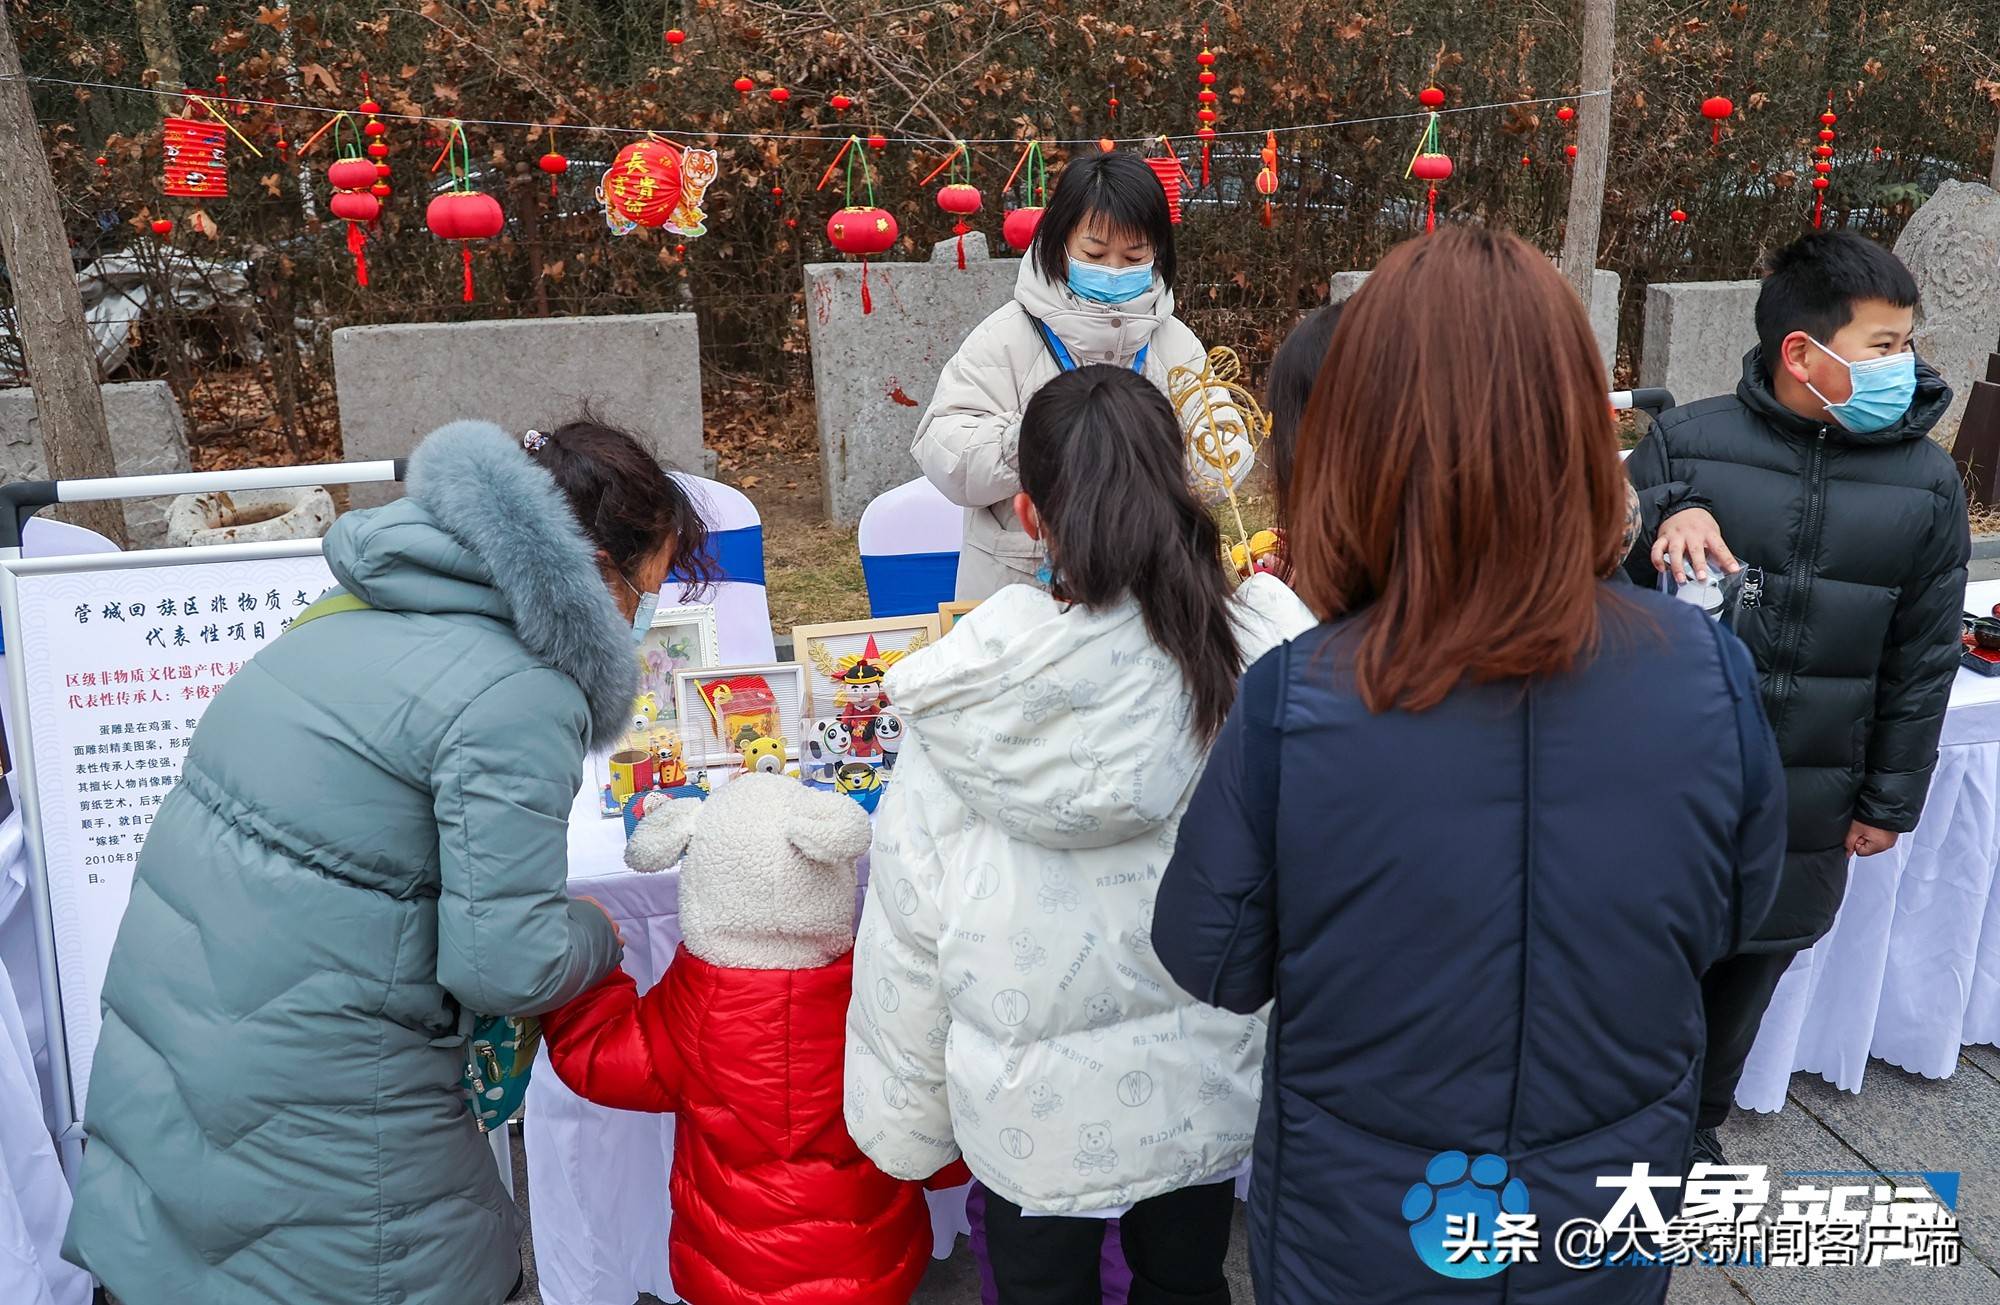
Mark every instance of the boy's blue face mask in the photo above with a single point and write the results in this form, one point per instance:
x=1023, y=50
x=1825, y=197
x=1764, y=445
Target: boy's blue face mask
x=1883, y=389
x=1104, y=285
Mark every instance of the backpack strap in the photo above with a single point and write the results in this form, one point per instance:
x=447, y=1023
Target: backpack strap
x=335, y=602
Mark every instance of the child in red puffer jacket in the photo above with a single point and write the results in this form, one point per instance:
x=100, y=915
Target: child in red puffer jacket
x=743, y=1040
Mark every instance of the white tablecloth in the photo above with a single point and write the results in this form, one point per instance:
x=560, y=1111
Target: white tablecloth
x=1911, y=970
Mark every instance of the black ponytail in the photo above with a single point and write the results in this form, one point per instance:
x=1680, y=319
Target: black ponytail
x=1102, y=461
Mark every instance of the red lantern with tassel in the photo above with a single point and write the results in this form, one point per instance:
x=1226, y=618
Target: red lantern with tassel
x=1018, y=228
x=1207, y=113
x=859, y=229
x=353, y=179
x=1167, y=167
x=1430, y=164
x=555, y=165
x=1716, y=108
x=1678, y=215
x=841, y=103
x=163, y=226
x=744, y=86
x=1565, y=115
x=675, y=36
x=1825, y=163
x=963, y=199
x=461, y=213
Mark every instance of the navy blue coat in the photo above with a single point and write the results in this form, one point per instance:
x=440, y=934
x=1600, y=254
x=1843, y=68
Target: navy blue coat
x=1484, y=928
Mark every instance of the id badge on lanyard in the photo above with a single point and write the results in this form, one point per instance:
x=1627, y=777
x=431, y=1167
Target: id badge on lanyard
x=1060, y=352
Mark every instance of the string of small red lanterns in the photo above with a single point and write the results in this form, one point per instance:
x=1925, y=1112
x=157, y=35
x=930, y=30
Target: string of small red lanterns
x=1823, y=161
x=1207, y=113
x=1430, y=164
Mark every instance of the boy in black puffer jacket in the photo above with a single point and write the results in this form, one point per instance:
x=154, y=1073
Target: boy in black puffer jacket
x=1847, y=544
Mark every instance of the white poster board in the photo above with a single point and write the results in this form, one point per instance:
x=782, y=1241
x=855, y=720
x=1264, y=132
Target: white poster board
x=117, y=656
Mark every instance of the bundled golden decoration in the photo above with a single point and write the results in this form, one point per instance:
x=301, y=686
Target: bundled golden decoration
x=1224, y=425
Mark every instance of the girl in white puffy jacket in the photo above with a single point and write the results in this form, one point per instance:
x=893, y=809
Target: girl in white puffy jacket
x=1007, y=1002
x=1095, y=287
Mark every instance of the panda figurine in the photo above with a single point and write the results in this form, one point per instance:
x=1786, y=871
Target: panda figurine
x=889, y=736
x=827, y=744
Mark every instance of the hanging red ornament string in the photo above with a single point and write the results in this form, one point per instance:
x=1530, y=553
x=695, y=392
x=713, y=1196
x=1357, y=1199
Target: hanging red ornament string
x=1716, y=108
x=1112, y=102
x=960, y=197
x=378, y=145
x=861, y=229
x=1430, y=163
x=1267, y=177
x=1824, y=164
x=1166, y=165
x=462, y=213
x=1207, y=113
x=552, y=163
x=352, y=178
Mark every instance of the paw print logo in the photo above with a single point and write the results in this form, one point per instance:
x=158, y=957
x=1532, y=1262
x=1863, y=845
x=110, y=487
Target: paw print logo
x=1094, y=1153
x=1016, y=1143
x=1028, y=954
x=1455, y=1191
x=886, y=996
x=1100, y=1010
x=1043, y=1100
x=1010, y=1007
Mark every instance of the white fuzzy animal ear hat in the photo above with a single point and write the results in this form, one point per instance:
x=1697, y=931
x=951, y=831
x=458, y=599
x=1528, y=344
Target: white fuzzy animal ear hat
x=767, y=871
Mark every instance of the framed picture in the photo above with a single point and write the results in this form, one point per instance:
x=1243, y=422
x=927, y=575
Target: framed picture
x=845, y=662
x=680, y=638
x=722, y=710
x=949, y=613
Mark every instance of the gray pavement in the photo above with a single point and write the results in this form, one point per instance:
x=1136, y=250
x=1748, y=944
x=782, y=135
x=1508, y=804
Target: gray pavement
x=1899, y=1121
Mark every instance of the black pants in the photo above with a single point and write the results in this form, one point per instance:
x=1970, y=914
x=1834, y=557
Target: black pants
x=1735, y=993
x=1175, y=1245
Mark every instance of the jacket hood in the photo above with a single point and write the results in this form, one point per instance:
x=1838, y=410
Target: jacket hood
x=1094, y=332
x=483, y=531
x=770, y=1042
x=1066, y=725
x=1927, y=407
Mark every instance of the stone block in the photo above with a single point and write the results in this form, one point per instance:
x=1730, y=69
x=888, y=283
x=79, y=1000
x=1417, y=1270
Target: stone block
x=873, y=373
x=397, y=383
x=1696, y=334
x=1604, y=289
x=148, y=438
x=1952, y=247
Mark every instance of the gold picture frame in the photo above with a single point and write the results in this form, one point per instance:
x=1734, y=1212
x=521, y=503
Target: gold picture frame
x=829, y=650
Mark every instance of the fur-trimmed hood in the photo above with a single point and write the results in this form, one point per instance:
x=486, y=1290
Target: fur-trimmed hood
x=485, y=532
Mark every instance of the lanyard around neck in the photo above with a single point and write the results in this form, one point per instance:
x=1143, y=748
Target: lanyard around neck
x=1060, y=352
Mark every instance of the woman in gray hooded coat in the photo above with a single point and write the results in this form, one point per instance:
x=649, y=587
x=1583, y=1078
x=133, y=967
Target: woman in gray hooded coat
x=368, y=842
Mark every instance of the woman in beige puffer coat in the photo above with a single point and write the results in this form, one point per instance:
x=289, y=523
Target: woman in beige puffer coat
x=1096, y=287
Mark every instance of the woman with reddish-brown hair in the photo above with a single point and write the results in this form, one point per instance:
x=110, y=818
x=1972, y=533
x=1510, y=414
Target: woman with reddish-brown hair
x=1419, y=833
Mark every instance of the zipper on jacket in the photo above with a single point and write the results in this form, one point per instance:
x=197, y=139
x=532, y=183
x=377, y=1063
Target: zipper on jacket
x=1792, y=627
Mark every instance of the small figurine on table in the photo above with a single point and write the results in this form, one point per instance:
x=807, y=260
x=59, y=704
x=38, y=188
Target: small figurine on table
x=889, y=736
x=861, y=781
x=827, y=745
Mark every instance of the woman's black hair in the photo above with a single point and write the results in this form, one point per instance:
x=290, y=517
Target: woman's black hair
x=1101, y=460
x=625, y=501
x=1294, y=370
x=1118, y=186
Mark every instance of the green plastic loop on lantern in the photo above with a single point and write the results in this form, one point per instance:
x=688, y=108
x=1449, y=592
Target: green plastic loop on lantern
x=853, y=152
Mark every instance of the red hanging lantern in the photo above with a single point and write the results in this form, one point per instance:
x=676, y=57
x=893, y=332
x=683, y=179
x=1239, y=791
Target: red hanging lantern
x=351, y=174
x=282, y=146
x=1112, y=104
x=878, y=142
x=162, y=226
x=465, y=215
x=1829, y=117
x=1431, y=167
x=1826, y=151
x=1206, y=58
x=961, y=198
x=1570, y=150
x=1018, y=228
x=840, y=103
x=380, y=190
x=1208, y=97
x=355, y=206
x=1207, y=114
x=1678, y=215
x=643, y=185
x=196, y=165
x=378, y=150
x=355, y=203
x=1431, y=97
x=675, y=36
x=376, y=129
x=1565, y=115
x=863, y=230
x=555, y=165
x=382, y=170
x=1820, y=183
x=1167, y=167
x=103, y=162
x=368, y=106
x=744, y=86
x=1826, y=135
x=1207, y=77
x=1267, y=176
x=1716, y=108
x=1822, y=167
x=1526, y=161
x=780, y=95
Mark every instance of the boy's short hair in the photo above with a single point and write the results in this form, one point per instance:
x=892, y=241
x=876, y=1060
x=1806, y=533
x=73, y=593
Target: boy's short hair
x=1814, y=283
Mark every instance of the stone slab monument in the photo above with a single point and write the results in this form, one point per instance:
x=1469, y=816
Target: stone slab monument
x=1696, y=334
x=148, y=438
x=1604, y=287
x=874, y=373
x=1977, y=448
x=640, y=373
x=1952, y=247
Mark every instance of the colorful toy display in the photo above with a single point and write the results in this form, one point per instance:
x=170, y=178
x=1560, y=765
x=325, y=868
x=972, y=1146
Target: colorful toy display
x=862, y=782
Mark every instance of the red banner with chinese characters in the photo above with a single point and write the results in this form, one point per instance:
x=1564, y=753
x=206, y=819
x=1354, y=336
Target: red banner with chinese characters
x=196, y=167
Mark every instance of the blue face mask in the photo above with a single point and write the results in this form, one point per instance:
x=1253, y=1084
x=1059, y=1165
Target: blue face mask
x=642, y=618
x=1103, y=285
x=1883, y=388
